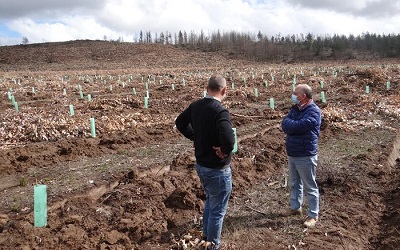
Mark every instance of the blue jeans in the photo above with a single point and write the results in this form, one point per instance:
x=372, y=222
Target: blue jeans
x=217, y=185
x=302, y=173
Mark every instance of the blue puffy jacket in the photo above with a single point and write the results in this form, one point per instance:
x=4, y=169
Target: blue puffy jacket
x=302, y=129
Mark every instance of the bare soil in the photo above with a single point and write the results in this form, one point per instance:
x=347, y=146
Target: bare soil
x=133, y=186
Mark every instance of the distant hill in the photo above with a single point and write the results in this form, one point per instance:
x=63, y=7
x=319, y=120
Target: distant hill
x=112, y=55
x=106, y=55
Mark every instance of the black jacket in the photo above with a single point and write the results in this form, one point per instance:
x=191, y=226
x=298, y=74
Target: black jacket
x=208, y=124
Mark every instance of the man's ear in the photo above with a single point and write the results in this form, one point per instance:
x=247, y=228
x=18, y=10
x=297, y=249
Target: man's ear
x=223, y=91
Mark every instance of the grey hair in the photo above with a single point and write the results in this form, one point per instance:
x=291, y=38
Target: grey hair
x=216, y=83
x=306, y=89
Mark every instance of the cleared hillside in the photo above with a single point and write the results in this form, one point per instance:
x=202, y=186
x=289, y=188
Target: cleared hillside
x=102, y=55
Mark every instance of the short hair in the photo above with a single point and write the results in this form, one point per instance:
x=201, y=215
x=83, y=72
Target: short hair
x=306, y=89
x=216, y=83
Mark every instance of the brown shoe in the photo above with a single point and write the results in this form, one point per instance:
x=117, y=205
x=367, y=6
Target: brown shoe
x=290, y=212
x=310, y=222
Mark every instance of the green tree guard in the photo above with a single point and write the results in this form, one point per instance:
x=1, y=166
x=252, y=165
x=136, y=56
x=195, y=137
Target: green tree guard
x=235, y=146
x=40, y=205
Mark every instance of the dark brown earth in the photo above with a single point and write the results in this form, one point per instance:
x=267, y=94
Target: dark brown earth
x=133, y=186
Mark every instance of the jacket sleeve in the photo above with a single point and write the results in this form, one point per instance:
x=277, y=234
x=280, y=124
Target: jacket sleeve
x=183, y=124
x=290, y=115
x=310, y=120
x=226, y=137
x=285, y=121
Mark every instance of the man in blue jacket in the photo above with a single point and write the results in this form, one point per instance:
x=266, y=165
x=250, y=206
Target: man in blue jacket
x=302, y=127
x=208, y=124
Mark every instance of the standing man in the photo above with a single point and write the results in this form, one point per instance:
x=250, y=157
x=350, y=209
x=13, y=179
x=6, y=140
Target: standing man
x=302, y=127
x=208, y=124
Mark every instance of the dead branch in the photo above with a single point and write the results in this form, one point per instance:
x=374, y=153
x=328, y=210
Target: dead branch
x=255, y=210
x=247, y=116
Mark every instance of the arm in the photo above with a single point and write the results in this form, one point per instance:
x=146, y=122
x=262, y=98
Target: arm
x=183, y=124
x=225, y=133
x=285, y=120
x=297, y=127
x=290, y=115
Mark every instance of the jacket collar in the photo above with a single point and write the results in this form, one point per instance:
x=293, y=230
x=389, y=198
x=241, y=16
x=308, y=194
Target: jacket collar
x=305, y=105
x=212, y=97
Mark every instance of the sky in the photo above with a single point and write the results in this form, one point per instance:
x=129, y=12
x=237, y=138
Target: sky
x=61, y=20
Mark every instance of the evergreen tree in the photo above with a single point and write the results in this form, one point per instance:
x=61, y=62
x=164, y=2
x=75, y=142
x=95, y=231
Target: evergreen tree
x=180, y=38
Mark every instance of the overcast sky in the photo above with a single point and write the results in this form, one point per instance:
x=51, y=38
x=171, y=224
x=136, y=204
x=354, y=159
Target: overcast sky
x=63, y=20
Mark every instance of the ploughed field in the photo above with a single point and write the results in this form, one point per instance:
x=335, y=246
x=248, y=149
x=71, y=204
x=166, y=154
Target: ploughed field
x=130, y=183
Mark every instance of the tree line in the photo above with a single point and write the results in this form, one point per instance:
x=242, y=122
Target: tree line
x=296, y=47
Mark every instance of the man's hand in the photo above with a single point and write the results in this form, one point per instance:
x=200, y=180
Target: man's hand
x=219, y=153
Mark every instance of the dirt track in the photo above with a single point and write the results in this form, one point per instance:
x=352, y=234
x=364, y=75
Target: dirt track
x=134, y=186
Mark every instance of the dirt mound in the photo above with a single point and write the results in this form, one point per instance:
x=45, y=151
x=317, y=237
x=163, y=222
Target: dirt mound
x=388, y=238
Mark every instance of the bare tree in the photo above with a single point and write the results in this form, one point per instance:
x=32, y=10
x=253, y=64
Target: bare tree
x=185, y=39
x=148, y=37
x=162, y=38
x=261, y=47
x=141, y=37
x=25, y=40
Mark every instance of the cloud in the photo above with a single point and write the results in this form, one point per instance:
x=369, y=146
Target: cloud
x=44, y=9
x=173, y=15
x=362, y=8
x=70, y=28
x=51, y=20
x=380, y=9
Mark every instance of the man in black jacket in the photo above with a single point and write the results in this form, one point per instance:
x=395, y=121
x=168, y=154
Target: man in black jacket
x=208, y=124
